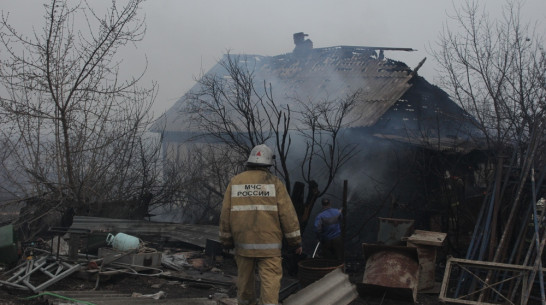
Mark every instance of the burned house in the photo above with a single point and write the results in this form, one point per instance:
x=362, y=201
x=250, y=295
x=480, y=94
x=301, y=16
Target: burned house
x=417, y=151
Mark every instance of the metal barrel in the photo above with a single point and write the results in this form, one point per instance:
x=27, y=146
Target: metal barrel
x=311, y=270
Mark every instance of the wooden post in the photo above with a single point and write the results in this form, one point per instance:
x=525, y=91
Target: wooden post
x=74, y=245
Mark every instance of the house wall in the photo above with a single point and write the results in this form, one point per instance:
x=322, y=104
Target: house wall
x=390, y=179
x=385, y=179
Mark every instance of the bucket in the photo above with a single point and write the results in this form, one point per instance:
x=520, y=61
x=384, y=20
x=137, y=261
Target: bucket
x=312, y=270
x=122, y=241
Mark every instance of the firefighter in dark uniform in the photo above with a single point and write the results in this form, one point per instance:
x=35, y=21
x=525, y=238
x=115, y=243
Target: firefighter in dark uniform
x=257, y=213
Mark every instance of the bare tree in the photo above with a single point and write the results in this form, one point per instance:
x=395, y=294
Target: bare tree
x=326, y=151
x=323, y=124
x=234, y=109
x=72, y=129
x=197, y=178
x=228, y=108
x=494, y=68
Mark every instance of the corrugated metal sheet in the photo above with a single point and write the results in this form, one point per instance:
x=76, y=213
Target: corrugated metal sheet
x=116, y=298
x=192, y=234
x=333, y=288
x=335, y=73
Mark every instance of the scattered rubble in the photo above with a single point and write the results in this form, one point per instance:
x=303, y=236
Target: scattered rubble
x=81, y=264
x=104, y=261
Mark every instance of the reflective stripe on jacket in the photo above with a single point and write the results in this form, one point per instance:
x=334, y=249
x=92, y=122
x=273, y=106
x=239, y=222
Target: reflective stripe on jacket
x=257, y=213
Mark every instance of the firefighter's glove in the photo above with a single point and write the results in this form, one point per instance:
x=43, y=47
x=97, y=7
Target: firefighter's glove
x=297, y=249
x=227, y=247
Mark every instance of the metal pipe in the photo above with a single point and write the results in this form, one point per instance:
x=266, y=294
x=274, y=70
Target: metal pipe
x=496, y=208
x=528, y=160
x=477, y=230
x=530, y=154
x=539, y=246
x=524, y=227
x=516, y=252
x=486, y=233
x=316, y=248
x=470, y=251
x=344, y=220
x=537, y=242
x=486, y=229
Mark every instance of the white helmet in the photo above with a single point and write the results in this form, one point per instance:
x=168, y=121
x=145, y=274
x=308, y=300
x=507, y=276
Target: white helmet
x=261, y=155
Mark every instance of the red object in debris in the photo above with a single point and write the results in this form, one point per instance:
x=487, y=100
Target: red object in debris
x=92, y=265
x=393, y=270
x=198, y=263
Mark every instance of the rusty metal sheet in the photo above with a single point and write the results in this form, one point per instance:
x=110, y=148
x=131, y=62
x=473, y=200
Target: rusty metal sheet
x=393, y=270
x=393, y=230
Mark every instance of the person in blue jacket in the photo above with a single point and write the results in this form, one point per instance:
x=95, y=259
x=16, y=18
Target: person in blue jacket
x=328, y=230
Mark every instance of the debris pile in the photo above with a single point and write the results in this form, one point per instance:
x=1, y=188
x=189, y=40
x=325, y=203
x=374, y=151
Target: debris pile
x=177, y=264
x=98, y=254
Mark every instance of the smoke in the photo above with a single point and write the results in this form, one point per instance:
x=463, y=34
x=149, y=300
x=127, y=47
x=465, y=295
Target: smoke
x=384, y=179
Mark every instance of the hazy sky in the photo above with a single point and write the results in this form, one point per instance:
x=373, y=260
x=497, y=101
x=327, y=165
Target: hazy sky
x=186, y=37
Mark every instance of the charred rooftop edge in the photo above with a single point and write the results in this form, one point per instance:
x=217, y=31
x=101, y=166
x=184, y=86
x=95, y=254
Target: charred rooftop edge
x=387, y=95
x=364, y=48
x=306, y=44
x=330, y=73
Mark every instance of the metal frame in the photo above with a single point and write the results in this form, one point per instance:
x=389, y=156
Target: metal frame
x=56, y=270
x=519, y=272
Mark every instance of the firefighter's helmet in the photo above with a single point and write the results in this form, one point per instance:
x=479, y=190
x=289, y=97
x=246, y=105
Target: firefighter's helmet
x=261, y=155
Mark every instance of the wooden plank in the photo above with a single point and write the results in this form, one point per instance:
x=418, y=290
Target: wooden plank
x=428, y=238
x=492, y=265
x=445, y=280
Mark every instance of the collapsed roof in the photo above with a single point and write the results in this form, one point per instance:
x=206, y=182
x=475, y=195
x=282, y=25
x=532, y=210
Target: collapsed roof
x=336, y=73
x=325, y=73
